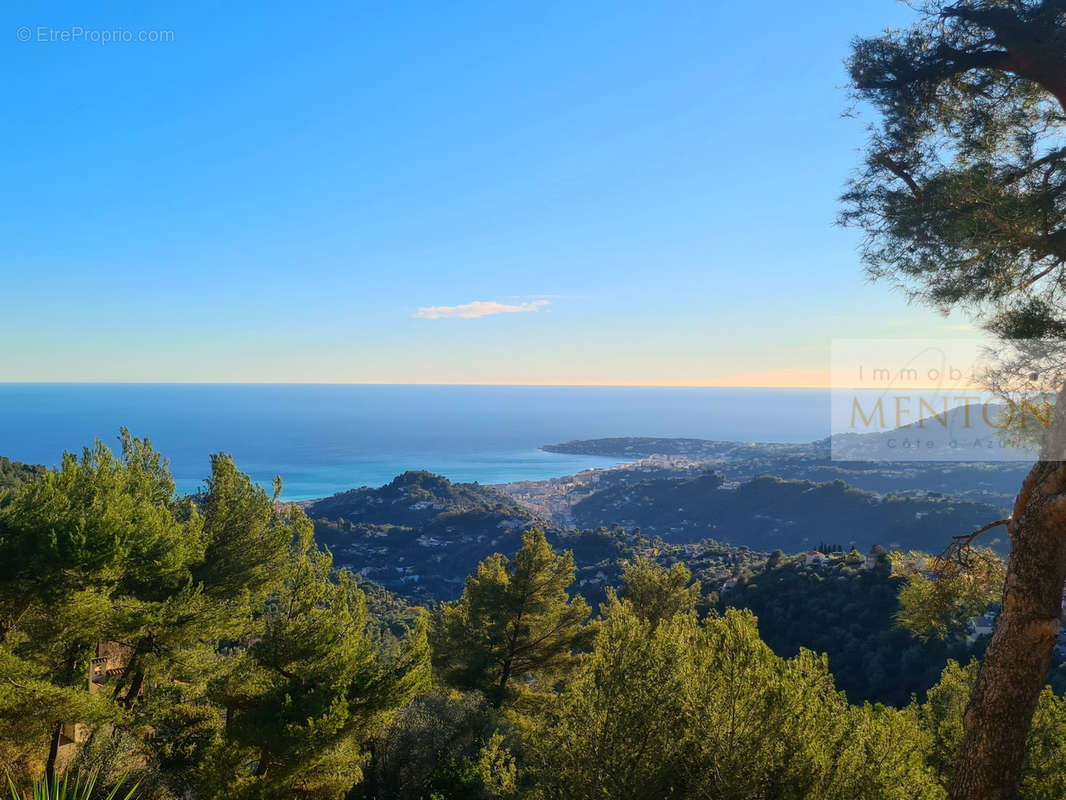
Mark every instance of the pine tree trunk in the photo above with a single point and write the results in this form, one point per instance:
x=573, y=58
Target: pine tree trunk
x=134, y=691
x=1015, y=667
x=53, y=755
x=501, y=688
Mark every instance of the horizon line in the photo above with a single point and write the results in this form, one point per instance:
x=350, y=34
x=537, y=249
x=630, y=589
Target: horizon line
x=428, y=384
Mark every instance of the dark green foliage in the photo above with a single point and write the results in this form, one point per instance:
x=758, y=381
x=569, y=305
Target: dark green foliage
x=426, y=553
x=98, y=551
x=656, y=593
x=14, y=473
x=688, y=710
x=430, y=554
x=415, y=496
x=1045, y=769
x=304, y=697
x=436, y=747
x=944, y=602
x=515, y=627
x=849, y=613
x=433, y=530
x=248, y=667
x=962, y=199
x=390, y=616
x=256, y=670
x=961, y=195
x=770, y=513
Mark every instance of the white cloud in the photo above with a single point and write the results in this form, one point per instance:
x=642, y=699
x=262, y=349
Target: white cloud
x=479, y=308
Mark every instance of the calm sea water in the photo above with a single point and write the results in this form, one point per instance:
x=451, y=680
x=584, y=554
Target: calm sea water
x=325, y=439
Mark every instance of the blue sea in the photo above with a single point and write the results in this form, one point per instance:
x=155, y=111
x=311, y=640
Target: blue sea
x=324, y=439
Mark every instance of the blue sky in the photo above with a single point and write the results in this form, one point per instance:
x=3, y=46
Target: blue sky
x=343, y=192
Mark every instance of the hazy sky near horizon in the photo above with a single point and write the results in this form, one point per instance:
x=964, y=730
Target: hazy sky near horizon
x=563, y=193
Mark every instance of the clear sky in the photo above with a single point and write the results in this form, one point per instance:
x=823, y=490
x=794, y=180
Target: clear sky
x=496, y=192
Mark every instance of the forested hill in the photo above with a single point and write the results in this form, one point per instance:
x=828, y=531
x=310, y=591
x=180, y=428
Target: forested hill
x=14, y=473
x=847, y=612
x=414, y=497
x=420, y=534
x=770, y=513
x=267, y=647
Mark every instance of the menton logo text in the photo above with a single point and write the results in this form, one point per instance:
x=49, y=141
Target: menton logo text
x=906, y=411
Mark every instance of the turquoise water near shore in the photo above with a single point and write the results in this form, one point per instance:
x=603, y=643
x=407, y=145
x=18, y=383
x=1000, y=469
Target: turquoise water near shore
x=324, y=439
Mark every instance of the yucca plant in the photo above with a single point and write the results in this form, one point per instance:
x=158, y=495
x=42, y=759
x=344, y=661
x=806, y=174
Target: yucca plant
x=66, y=790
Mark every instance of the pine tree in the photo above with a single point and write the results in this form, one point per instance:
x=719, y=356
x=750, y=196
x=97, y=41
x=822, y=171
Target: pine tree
x=657, y=593
x=962, y=198
x=514, y=622
x=705, y=709
x=303, y=700
x=221, y=607
x=91, y=550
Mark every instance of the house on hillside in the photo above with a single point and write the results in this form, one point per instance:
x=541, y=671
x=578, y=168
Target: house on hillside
x=109, y=663
x=856, y=559
x=982, y=626
x=815, y=558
